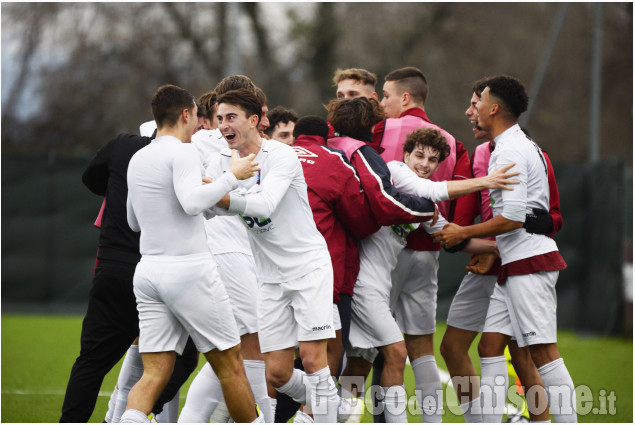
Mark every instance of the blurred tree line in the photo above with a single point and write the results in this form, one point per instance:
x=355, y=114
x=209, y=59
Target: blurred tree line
x=88, y=70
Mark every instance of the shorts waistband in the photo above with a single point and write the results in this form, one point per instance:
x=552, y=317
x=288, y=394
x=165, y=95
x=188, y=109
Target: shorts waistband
x=176, y=258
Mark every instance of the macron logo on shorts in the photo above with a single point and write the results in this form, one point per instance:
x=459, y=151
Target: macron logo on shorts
x=532, y=333
x=321, y=328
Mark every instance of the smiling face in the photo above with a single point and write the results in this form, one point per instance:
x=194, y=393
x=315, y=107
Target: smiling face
x=423, y=160
x=472, y=114
x=239, y=130
x=264, y=121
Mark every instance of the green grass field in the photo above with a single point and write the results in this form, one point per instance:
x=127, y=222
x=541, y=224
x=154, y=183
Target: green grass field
x=38, y=352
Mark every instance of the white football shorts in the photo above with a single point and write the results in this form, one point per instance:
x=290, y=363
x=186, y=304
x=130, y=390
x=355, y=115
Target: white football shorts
x=182, y=296
x=469, y=306
x=525, y=308
x=413, y=297
x=238, y=273
x=297, y=310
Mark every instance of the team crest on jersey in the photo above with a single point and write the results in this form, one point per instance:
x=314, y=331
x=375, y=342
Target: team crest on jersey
x=301, y=152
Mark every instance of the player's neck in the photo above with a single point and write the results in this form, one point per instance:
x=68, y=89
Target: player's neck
x=176, y=131
x=252, y=146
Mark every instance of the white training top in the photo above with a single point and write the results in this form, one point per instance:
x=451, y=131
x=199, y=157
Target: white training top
x=166, y=197
x=407, y=181
x=275, y=208
x=513, y=146
x=224, y=233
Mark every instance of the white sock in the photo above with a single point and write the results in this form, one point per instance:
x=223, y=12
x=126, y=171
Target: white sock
x=324, y=398
x=203, y=396
x=134, y=416
x=295, y=387
x=221, y=414
x=472, y=411
x=560, y=391
x=131, y=371
x=170, y=413
x=274, y=404
x=428, y=383
x=494, y=382
x=395, y=404
x=111, y=405
x=255, y=371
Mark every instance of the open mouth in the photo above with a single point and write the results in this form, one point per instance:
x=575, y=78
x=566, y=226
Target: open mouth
x=229, y=136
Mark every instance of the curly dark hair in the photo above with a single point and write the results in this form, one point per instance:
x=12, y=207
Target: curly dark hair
x=280, y=114
x=511, y=92
x=354, y=117
x=427, y=137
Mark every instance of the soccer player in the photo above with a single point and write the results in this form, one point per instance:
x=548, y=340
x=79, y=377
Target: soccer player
x=292, y=259
x=281, y=123
x=523, y=304
x=469, y=306
x=177, y=272
x=405, y=93
x=229, y=243
x=354, y=82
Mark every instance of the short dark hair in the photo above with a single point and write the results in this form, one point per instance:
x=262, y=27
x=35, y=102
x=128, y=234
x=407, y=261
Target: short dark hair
x=234, y=82
x=280, y=114
x=168, y=102
x=357, y=74
x=354, y=117
x=411, y=80
x=511, y=92
x=311, y=125
x=245, y=99
x=207, y=102
x=429, y=137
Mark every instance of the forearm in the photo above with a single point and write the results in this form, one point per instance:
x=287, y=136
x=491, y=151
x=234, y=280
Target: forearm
x=458, y=188
x=496, y=226
x=480, y=246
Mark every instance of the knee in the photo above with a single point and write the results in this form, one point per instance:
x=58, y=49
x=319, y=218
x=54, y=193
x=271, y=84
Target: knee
x=278, y=376
x=450, y=352
x=395, y=356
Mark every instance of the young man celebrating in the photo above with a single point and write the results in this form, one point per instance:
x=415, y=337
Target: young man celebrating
x=523, y=304
x=281, y=124
x=405, y=92
x=354, y=82
x=176, y=283
x=292, y=259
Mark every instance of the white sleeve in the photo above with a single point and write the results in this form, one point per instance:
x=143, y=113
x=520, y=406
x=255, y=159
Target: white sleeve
x=514, y=201
x=132, y=218
x=193, y=195
x=407, y=181
x=262, y=204
x=438, y=226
